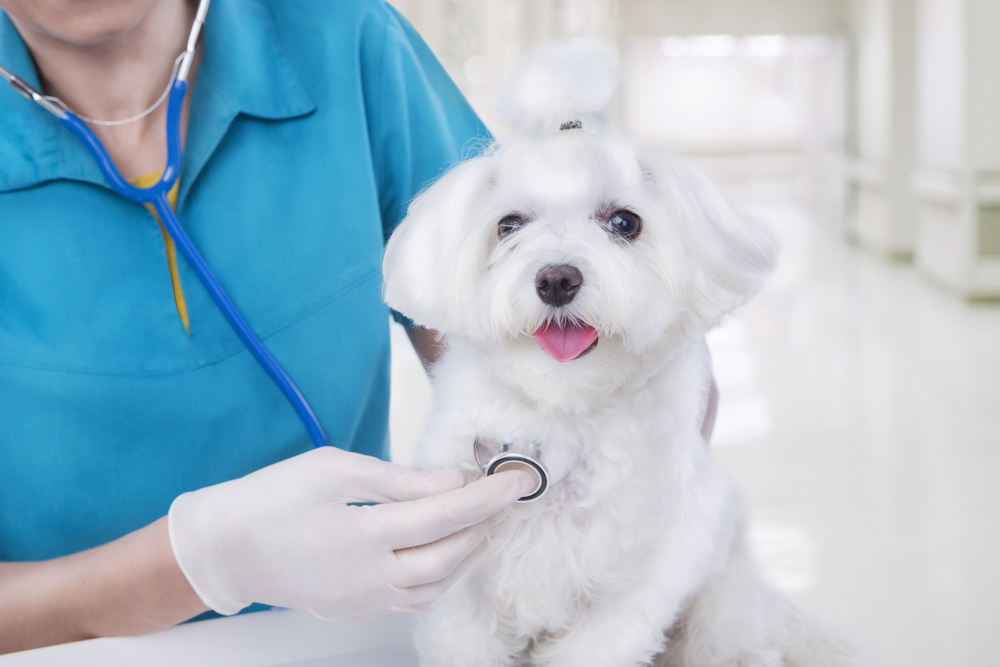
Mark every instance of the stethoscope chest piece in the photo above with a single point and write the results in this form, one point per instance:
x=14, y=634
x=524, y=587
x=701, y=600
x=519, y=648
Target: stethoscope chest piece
x=508, y=459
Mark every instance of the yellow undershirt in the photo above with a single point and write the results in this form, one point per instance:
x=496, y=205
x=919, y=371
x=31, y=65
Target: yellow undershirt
x=175, y=278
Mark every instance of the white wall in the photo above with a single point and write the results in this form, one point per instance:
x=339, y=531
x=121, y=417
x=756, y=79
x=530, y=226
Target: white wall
x=940, y=85
x=984, y=84
x=715, y=92
x=734, y=17
x=873, y=39
x=883, y=151
x=957, y=179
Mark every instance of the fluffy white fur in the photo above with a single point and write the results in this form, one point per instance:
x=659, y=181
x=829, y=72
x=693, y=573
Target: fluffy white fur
x=562, y=82
x=637, y=557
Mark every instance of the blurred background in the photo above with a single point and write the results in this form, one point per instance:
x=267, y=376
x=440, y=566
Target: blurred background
x=860, y=408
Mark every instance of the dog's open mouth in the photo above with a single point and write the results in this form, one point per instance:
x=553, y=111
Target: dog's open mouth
x=567, y=341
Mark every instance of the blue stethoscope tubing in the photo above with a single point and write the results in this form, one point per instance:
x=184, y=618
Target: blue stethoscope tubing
x=156, y=195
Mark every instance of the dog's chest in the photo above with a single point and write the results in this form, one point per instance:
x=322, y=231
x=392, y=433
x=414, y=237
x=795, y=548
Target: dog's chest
x=548, y=562
x=600, y=530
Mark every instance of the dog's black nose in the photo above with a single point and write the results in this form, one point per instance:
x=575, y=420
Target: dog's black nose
x=557, y=285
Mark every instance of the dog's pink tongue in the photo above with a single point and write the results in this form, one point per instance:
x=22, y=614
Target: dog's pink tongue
x=565, y=342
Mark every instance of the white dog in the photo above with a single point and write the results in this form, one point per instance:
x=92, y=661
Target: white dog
x=574, y=281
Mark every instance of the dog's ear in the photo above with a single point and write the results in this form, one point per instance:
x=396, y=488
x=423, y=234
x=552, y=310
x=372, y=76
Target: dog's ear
x=729, y=255
x=437, y=252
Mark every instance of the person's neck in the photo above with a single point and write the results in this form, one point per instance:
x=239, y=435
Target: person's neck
x=118, y=78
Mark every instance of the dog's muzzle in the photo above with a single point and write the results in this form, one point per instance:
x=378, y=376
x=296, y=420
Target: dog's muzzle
x=548, y=467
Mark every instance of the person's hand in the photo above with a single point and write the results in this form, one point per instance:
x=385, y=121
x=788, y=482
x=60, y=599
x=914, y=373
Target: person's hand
x=285, y=535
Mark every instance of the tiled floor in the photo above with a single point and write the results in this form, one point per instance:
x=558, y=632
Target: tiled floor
x=860, y=414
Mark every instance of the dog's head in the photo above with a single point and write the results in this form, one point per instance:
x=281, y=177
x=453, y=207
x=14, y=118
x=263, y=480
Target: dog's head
x=570, y=252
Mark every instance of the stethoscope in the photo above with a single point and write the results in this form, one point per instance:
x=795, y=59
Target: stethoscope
x=156, y=195
x=548, y=465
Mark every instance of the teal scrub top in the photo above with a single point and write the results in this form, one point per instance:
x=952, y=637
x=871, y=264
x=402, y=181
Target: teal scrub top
x=313, y=124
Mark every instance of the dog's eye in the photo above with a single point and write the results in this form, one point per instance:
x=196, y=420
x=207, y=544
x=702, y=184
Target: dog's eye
x=625, y=224
x=510, y=224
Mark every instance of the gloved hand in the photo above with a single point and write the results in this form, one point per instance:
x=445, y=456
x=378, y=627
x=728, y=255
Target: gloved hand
x=286, y=536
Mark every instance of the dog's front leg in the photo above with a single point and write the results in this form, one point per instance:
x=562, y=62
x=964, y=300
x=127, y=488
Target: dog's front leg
x=626, y=631
x=462, y=629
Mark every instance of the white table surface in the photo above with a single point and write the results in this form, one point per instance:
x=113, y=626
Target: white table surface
x=264, y=639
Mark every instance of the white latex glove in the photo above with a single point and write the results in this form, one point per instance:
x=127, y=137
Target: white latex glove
x=285, y=535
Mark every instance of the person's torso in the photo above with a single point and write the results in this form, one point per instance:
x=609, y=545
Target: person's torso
x=108, y=409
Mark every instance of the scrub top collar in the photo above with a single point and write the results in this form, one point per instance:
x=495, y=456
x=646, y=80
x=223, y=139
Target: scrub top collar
x=244, y=70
